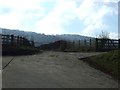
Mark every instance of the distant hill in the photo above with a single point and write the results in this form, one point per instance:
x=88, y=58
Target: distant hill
x=42, y=38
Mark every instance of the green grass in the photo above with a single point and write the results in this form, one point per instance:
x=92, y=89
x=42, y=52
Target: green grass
x=107, y=62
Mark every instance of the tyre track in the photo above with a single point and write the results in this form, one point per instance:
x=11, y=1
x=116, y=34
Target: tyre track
x=7, y=63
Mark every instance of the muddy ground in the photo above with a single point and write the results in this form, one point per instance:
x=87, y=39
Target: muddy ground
x=53, y=70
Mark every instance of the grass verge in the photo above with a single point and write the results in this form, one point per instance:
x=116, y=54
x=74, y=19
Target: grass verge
x=107, y=62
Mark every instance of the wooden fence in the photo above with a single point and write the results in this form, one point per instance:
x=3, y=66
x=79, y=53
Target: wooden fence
x=96, y=44
x=107, y=44
x=11, y=40
x=81, y=45
x=86, y=44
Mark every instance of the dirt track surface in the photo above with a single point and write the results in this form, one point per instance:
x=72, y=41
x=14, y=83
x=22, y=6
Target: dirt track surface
x=53, y=70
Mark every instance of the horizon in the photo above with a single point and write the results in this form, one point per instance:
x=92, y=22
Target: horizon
x=86, y=18
x=44, y=33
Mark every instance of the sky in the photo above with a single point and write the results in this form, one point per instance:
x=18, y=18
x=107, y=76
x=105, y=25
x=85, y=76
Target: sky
x=83, y=17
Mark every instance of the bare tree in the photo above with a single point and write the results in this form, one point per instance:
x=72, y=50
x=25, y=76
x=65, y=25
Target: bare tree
x=104, y=35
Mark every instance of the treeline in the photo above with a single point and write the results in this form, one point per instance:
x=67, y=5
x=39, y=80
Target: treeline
x=57, y=45
x=63, y=45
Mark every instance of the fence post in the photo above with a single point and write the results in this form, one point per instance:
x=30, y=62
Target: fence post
x=85, y=42
x=73, y=42
x=18, y=40
x=96, y=46
x=79, y=42
x=90, y=42
x=32, y=43
x=119, y=43
x=12, y=40
x=7, y=39
x=24, y=41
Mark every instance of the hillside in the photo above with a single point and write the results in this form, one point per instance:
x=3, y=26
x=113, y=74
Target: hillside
x=42, y=38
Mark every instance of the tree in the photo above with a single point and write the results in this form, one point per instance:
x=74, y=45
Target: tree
x=104, y=35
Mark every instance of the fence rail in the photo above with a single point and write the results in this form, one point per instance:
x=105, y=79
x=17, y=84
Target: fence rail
x=87, y=44
x=98, y=44
x=11, y=40
x=82, y=45
x=107, y=44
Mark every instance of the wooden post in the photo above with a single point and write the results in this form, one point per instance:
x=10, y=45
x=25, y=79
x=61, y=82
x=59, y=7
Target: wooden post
x=1, y=46
x=12, y=40
x=73, y=42
x=90, y=42
x=85, y=45
x=73, y=46
x=7, y=39
x=85, y=42
x=18, y=40
x=79, y=42
x=96, y=46
x=60, y=45
x=119, y=43
x=24, y=41
x=32, y=43
x=109, y=47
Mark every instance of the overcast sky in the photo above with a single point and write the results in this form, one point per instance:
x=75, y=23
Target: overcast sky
x=83, y=17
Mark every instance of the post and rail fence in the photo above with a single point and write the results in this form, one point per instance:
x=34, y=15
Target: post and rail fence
x=96, y=44
x=107, y=44
x=11, y=40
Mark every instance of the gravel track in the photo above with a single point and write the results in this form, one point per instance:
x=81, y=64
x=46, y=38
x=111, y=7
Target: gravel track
x=54, y=70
